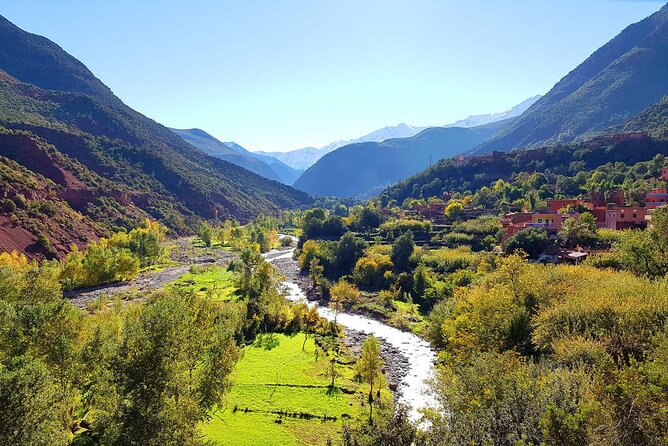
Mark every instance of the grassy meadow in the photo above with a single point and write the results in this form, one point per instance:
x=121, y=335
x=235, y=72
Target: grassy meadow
x=276, y=376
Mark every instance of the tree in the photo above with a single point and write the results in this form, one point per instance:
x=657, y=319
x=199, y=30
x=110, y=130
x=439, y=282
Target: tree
x=532, y=241
x=368, y=368
x=341, y=293
x=205, y=232
x=316, y=272
x=402, y=249
x=31, y=405
x=579, y=230
x=454, y=210
x=310, y=320
x=173, y=368
x=347, y=251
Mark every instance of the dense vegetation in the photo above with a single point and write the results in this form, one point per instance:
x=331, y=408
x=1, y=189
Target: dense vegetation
x=157, y=370
x=614, y=84
x=530, y=354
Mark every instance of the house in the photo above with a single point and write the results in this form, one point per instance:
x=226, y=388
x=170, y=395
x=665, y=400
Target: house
x=657, y=197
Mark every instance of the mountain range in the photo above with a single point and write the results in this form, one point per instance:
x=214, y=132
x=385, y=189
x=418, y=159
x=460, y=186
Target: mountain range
x=87, y=154
x=264, y=165
x=362, y=169
x=302, y=159
x=476, y=120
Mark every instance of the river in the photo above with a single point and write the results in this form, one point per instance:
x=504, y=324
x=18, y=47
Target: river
x=413, y=390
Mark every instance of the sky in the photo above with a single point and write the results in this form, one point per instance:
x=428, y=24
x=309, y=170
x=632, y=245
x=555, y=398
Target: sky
x=286, y=74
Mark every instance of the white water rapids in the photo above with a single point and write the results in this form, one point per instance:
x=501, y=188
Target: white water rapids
x=413, y=390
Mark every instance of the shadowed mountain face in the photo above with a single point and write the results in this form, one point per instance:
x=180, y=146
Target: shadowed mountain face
x=366, y=168
x=114, y=158
x=617, y=82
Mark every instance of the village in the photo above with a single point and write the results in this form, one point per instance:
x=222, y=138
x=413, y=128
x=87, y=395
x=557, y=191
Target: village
x=609, y=208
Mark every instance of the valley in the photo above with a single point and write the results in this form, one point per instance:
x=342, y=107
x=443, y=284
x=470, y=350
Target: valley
x=500, y=280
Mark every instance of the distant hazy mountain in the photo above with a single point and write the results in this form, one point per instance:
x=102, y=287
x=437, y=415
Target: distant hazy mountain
x=302, y=159
x=286, y=174
x=212, y=146
x=475, y=120
x=361, y=169
x=615, y=83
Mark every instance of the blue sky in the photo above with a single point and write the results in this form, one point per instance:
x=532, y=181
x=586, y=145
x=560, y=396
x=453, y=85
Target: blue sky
x=285, y=74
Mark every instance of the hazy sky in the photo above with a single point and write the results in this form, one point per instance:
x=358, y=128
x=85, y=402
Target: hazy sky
x=281, y=75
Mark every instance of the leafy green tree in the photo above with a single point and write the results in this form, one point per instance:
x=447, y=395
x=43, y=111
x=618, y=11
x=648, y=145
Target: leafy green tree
x=31, y=405
x=347, y=251
x=206, y=233
x=368, y=367
x=402, y=250
x=578, y=231
x=532, y=241
x=172, y=368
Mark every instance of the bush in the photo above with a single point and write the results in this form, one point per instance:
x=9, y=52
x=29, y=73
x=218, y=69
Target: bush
x=47, y=208
x=7, y=206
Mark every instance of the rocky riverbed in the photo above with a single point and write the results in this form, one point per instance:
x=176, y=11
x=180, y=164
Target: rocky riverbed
x=409, y=360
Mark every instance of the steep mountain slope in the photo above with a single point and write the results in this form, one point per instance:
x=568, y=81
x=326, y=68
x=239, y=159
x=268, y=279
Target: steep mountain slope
x=472, y=173
x=119, y=158
x=212, y=146
x=364, y=168
x=614, y=84
x=476, y=120
x=653, y=120
x=285, y=173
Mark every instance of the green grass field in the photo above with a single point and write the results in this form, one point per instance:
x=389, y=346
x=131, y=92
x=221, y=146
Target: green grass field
x=212, y=279
x=285, y=378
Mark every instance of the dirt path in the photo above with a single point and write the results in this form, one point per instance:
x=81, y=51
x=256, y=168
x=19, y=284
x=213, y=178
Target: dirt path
x=183, y=253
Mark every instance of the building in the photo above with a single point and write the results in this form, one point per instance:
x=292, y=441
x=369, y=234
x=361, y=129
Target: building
x=657, y=197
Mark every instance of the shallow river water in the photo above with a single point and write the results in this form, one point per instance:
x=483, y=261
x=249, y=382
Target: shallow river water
x=413, y=389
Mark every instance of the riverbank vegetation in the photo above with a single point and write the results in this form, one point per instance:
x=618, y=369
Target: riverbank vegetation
x=529, y=353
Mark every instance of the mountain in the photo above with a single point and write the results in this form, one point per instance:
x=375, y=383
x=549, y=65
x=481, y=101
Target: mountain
x=212, y=146
x=286, y=174
x=302, y=159
x=475, y=120
x=361, y=169
x=108, y=162
x=615, y=83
